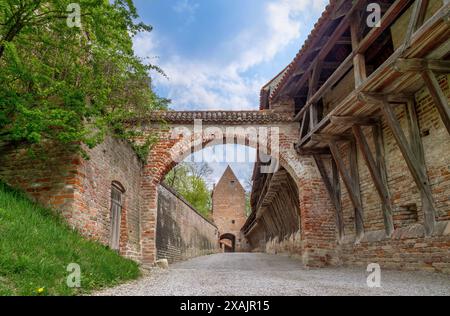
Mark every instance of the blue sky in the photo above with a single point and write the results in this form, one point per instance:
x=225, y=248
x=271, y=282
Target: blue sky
x=218, y=54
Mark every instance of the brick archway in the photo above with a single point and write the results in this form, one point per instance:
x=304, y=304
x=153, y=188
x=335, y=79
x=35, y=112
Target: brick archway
x=232, y=239
x=161, y=158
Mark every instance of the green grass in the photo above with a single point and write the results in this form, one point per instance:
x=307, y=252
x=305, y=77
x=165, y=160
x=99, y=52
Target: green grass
x=36, y=246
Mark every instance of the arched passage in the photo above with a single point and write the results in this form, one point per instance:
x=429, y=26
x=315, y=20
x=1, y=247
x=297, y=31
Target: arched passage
x=275, y=131
x=228, y=242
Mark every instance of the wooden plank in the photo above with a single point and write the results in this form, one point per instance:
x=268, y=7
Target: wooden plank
x=351, y=120
x=377, y=132
x=375, y=173
x=439, y=98
x=304, y=124
x=423, y=12
x=420, y=65
x=334, y=192
x=414, y=165
x=352, y=188
x=325, y=138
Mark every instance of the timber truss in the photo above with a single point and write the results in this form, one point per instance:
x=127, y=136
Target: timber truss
x=418, y=61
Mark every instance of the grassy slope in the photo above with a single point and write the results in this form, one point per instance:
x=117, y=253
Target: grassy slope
x=36, y=247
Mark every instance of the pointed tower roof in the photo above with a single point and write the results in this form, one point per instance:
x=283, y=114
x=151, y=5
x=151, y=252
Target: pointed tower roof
x=229, y=175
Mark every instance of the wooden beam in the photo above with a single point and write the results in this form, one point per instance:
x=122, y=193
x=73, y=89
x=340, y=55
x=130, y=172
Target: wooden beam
x=413, y=22
x=354, y=174
x=376, y=98
x=330, y=43
x=325, y=138
x=337, y=197
x=334, y=192
x=417, y=170
x=352, y=186
x=377, y=132
x=375, y=172
x=359, y=61
x=313, y=151
x=352, y=120
x=439, y=98
x=417, y=148
x=388, y=18
x=420, y=65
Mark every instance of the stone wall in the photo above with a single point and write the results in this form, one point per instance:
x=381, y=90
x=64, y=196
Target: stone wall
x=181, y=232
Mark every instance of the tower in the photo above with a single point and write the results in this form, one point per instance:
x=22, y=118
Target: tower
x=229, y=210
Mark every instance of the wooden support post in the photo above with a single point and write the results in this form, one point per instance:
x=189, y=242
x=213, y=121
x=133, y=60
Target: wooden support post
x=417, y=148
x=303, y=125
x=375, y=172
x=354, y=174
x=377, y=132
x=439, y=98
x=417, y=169
x=351, y=181
x=359, y=61
x=334, y=192
x=412, y=25
x=422, y=12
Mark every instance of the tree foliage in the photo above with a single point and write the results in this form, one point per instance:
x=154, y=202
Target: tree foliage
x=71, y=84
x=188, y=180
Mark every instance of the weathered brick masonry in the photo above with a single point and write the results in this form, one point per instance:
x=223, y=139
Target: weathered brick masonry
x=182, y=233
x=374, y=184
x=360, y=179
x=81, y=189
x=229, y=207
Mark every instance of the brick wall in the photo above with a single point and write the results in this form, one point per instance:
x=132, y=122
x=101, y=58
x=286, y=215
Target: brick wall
x=409, y=248
x=80, y=189
x=111, y=161
x=181, y=232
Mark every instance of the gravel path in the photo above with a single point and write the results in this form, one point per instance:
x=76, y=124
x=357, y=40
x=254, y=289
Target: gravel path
x=262, y=274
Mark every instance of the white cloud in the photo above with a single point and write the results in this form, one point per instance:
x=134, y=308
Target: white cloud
x=212, y=84
x=186, y=8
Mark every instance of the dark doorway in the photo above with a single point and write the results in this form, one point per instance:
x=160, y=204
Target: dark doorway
x=228, y=242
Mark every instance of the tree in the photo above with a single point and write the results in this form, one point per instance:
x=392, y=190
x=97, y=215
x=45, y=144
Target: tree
x=187, y=179
x=68, y=84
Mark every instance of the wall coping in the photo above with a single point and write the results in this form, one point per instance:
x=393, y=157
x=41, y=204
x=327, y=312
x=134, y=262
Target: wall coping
x=219, y=117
